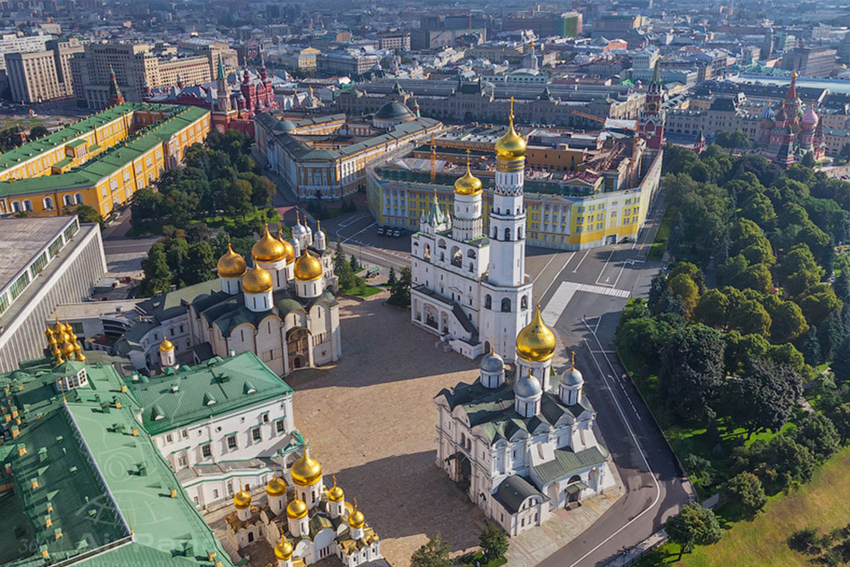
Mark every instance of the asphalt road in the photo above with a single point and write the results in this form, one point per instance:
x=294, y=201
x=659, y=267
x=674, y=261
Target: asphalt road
x=582, y=294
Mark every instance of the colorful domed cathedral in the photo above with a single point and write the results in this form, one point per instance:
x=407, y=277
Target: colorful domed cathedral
x=305, y=523
x=468, y=287
x=788, y=134
x=282, y=307
x=519, y=443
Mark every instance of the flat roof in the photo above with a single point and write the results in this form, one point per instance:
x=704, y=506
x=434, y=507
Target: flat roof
x=22, y=239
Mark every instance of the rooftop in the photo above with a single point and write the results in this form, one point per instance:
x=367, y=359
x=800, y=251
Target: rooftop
x=21, y=240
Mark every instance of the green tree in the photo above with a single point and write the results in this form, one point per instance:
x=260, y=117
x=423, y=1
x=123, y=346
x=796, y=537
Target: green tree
x=157, y=274
x=745, y=492
x=391, y=278
x=200, y=264
x=37, y=132
x=749, y=316
x=733, y=139
x=760, y=210
x=764, y=396
x=494, y=542
x=786, y=321
x=692, y=368
x=686, y=290
x=818, y=302
x=713, y=309
x=790, y=462
x=87, y=213
x=400, y=291
x=435, y=553
x=841, y=362
x=840, y=417
x=177, y=250
x=692, y=526
x=819, y=435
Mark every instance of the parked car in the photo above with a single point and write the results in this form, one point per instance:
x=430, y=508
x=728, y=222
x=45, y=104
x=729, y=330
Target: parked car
x=380, y=231
x=397, y=233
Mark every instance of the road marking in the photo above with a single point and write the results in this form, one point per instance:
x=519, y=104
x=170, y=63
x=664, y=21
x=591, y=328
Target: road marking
x=358, y=232
x=546, y=266
x=582, y=260
x=556, y=306
x=605, y=265
x=564, y=267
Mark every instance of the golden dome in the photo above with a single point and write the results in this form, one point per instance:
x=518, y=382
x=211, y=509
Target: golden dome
x=511, y=146
x=356, y=519
x=306, y=471
x=268, y=248
x=283, y=550
x=308, y=268
x=58, y=327
x=80, y=357
x=468, y=184
x=231, y=264
x=51, y=340
x=257, y=280
x=68, y=349
x=335, y=494
x=276, y=487
x=55, y=352
x=62, y=337
x=297, y=509
x=536, y=342
x=68, y=328
x=290, y=251
x=77, y=347
x=166, y=345
x=242, y=500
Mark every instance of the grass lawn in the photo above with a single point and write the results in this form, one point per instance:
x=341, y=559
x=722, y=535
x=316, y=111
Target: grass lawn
x=824, y=504
x=660, y=245
x=364, y=290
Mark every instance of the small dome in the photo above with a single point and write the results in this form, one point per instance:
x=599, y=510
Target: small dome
x=58, y=327
x=299, y=230
x=810, y=117
x=536, y=342
x=767, y=113
x=231, y=264
x=276, y=486
x=268, y=248
x=572, y=377
x=68, y=349
x=336, y=494
x=257, y=280
x=468, y=184
x=68, y=327
x=356, y=519
x=242, y=500
x=492, y=362
x=306, y=471
x=528, y=387
x=290, y=250
x=297, y=509
x=308, y=268
x=284, y=126
x=283, y=550
x=394, y=111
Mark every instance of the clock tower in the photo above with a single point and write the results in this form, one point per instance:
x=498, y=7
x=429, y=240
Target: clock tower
x=651, y=118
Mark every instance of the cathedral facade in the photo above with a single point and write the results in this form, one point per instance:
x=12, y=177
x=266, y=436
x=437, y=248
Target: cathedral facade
x=468, y=287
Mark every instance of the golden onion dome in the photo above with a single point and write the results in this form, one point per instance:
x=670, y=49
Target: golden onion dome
x=231, y=264
x=80, y=357
x=297, y=509
x=166, y=345
x=51, y=340
x=67, y=349
x=58, y=327
x=283, y=550
x=268, y=248
x=335, y=494
x=308, y=268
x=257, y=280
x=276, y=487
x=306, y=471
x=356, y=519
x=62, y=337
x=511, y=146
x=77, y=347
x=242, y=500
x=536, y=342
x=287, y=245
x=68, y=328
x=55, y=352
x=468, y=184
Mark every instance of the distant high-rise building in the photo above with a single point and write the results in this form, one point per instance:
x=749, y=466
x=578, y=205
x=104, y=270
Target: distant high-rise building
x=810, y=61
x=12, y=43
x=136, y=69
x=40, y=76
x=546, y=24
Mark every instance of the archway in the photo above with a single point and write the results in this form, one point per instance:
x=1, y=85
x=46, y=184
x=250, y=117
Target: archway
x=297, y=345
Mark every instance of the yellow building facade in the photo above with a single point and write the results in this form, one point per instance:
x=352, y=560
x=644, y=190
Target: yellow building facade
x=100, y=161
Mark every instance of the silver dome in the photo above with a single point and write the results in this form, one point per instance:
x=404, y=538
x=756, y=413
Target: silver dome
x=572, y=378
x=492, y=362
x=528, y=387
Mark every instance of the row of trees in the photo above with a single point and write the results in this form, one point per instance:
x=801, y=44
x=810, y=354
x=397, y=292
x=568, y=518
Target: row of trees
x=493, y=541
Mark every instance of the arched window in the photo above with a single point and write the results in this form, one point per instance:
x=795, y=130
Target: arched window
x=441, y=244
x=16, y=207
x=519, y=234
x=457, y=257
x=28, y=205
x=427, y=254
x=48, y=203
x=506, y=305
x=78, y=198
x=507, y=234
x=495, y=233
x=508, y=212
x=488, y=302
x=471, y=253
x=67, y=201
x=523, y=303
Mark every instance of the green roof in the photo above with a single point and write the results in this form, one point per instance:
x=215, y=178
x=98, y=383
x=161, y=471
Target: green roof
x=108, y=162
x=566, y=463
x=105, y=490
x=216, y=387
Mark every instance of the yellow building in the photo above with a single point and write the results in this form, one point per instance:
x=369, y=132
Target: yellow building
x=101, y=160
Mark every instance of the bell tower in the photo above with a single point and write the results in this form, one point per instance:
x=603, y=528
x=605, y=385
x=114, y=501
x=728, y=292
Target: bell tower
x=651, y=118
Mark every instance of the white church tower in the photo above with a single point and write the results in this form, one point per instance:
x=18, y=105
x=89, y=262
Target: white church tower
x=507, y=289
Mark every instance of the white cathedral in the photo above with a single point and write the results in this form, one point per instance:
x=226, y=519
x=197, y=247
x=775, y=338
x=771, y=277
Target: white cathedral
x=519, y=445
x=468, y=287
